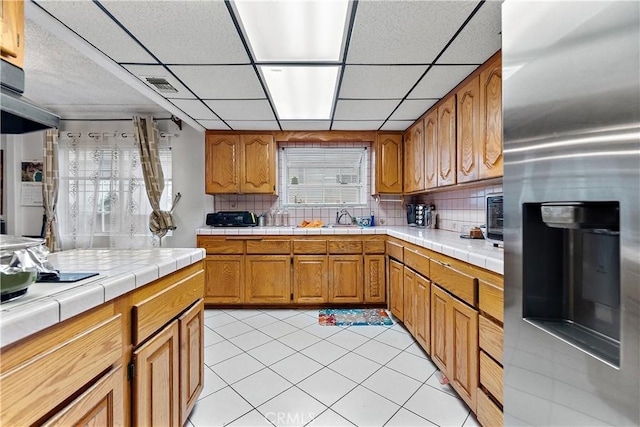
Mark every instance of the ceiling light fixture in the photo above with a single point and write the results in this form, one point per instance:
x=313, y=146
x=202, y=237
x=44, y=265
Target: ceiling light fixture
x=294, y=30
x=302, y=93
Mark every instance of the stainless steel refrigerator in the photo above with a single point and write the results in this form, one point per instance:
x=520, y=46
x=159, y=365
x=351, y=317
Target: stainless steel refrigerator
x=571, y=100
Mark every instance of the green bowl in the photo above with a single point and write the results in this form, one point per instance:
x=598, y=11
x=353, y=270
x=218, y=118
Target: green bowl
x=12, y=283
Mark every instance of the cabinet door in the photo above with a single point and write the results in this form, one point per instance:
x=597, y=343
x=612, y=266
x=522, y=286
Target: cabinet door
x=101, y=405
x=12, y=23
x=463, y=336
x=422, y=289
x=155, y=396
x=258, y=167
x=345, y=278
x=491, y=120
x=440, y=344
x=310, y=278
x=224, y=281
x=447, y=142
x=191, y=325
x=222, y=164
x=414, y=159
x=431, y=149
x=374, y=273
x=468, y=140
x=268, y=279
x=409, y=301
x=396, y=287
x=389, y=163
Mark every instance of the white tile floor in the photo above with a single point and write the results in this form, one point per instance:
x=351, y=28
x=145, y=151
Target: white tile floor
x=280, y=368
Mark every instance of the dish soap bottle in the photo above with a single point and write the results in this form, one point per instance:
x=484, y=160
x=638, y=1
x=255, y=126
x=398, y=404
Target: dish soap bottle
x=373, y=220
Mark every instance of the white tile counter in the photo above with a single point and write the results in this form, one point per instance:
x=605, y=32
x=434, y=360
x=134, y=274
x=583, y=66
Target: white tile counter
x=477, y=252
x=120, y=271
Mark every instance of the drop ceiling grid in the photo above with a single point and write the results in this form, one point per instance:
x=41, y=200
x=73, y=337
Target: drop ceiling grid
x=84, y=17
x=143, y=71
x=439, y=80
x=405, y=32
x=411, y=109
x=220, y=81
x=358, y=109
x=183, y=32
x=379, y=82
x=195, y=108
x=241, y=109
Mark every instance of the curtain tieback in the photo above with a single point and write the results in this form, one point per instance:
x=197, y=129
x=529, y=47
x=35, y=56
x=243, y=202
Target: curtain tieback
x=160, y=222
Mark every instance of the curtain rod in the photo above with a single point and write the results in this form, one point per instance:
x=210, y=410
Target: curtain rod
x=112, y=134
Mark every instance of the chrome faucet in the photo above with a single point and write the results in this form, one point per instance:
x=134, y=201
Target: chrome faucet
x=342, y=213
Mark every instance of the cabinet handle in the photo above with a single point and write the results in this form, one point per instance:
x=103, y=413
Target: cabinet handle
x=446, y=264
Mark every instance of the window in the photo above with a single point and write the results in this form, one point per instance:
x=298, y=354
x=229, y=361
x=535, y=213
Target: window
x=324, y=176
x=102, y=200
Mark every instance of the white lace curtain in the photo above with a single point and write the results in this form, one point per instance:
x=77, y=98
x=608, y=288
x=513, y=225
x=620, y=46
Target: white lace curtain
x=102, y=200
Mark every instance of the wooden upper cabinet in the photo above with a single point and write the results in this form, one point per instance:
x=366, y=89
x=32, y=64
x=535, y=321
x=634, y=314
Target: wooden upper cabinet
x=222, y=164
x=258, y=165
x=414, y=158
x=490, y=164
x=468, y=140
x=447, y=142
x=240, y=164
x=431, y=149
x=12, y=23
x=388, y=166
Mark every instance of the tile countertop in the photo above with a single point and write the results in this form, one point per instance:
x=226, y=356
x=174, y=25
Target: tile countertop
x=477, y=252
x=120, y=271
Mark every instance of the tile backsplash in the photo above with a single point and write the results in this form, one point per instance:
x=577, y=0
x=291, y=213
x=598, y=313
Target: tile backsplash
x=458, y=210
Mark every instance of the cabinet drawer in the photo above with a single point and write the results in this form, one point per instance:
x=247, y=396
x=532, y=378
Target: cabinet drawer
x=314, y=246
x=488, y=413
x=374, y=246
x=416, y=261
x=491, y=300
x=221, y=246
x=52, y=376
x=268, y=247
x=491, y=376
x=460, y=284
x=345, y=246
x=395, y=251
x=491, y=336
x=152, y=313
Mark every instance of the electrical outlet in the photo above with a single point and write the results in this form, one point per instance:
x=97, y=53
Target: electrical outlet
x=234, y=205
x=454, y=226
x=382, y=221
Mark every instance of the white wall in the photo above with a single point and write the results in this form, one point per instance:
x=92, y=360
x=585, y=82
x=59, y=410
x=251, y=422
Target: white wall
x=188, y=177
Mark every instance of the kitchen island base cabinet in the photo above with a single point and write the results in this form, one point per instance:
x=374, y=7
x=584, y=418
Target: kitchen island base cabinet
x=345, y=279
x=268, y=279
x=310, y=279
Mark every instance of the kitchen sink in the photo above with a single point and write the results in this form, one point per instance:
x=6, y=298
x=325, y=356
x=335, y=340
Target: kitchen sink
x=341, y=226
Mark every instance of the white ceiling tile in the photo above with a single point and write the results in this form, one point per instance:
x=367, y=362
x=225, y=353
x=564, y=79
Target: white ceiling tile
x=305, y=124
x=242, y=109
x=73, y=86
x=351, y=109
x=85, y=18
x=213, y=124
x=405, y=32
x=220, y=81
x=379, y=82
x=253, y=125
x=194, y=108
x=479, y=39
x=356, y=124
x=143, y=71
x=182, y=32
x=411, y=109
x=397, y=125
x=440, y=80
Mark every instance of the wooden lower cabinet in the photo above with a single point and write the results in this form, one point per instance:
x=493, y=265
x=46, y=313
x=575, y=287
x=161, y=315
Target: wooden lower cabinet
x=396, y=288
x=374, y=279
x=345, y=278
x=454, y=342
x=310, y=279
x=268, y=279
x=101, y=405
x=422, y=292
x=191, y=325
x=409, y=306
x=155, y=397
x=224, y=281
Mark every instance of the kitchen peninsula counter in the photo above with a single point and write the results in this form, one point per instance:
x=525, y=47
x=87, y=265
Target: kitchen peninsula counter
x=120, y=271
x=476, y=252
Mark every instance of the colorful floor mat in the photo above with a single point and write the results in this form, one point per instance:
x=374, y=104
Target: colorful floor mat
x=354, y=317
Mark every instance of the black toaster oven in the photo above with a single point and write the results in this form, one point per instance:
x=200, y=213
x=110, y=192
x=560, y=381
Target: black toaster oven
x=232, y=219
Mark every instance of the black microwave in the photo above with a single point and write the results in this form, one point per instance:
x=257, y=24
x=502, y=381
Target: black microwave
x=495, y=219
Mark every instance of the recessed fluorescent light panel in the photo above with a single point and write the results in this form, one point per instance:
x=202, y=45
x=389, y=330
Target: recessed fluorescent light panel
x=294, y=30
x=304, y=92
